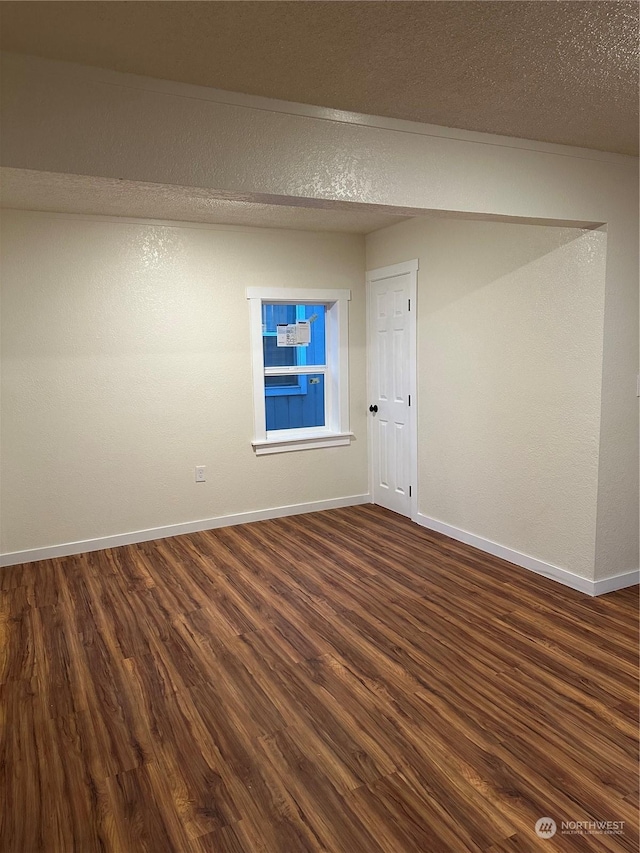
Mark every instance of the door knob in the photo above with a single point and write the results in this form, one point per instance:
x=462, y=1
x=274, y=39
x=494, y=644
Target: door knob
x=373, y=408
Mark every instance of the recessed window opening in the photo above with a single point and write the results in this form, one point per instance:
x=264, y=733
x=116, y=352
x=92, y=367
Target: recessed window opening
x=300, y=365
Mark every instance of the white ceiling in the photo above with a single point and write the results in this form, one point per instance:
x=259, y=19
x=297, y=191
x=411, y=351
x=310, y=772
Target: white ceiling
x=564, y=72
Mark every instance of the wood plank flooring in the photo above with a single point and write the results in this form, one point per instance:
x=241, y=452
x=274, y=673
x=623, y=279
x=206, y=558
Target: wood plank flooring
x=343, y=682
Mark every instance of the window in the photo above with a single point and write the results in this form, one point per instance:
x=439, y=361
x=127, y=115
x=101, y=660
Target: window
x=299, y=342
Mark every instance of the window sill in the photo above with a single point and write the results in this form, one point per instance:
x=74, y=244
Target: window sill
x=293, y=441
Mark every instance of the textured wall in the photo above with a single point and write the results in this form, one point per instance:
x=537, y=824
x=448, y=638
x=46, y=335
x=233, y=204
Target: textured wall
x=126, y=362
x=618, y=504
x=510, y=322
x=68, y=119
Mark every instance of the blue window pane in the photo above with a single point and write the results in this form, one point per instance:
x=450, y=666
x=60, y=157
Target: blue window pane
x=281, y=381
x=274, y=315
x=296, y=411
x=275, y=356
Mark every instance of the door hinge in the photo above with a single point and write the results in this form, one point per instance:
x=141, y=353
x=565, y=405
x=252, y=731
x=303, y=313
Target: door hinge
x=409, y=308
x=409, y=491
x=409, y=399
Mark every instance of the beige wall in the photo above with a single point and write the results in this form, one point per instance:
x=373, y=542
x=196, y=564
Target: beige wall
x=510, y=334
x=105, y=124
x=126, y=362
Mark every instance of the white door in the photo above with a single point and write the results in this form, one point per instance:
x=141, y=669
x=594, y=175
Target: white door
x=392, y=296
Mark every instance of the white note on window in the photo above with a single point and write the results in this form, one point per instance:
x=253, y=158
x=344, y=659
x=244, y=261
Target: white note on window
x=303, y=332
x=287, y=335
x=292, y=335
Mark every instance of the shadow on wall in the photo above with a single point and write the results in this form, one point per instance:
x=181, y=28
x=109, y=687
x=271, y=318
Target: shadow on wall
x=489, y=251
x=509, y=374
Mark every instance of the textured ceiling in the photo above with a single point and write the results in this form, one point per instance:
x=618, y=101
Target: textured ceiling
x=24, y=189
x=563, y=72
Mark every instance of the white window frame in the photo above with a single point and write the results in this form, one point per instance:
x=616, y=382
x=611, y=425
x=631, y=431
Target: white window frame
x=335, y=432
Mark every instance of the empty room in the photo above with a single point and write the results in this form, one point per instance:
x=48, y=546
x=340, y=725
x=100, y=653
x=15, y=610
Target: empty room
x=319, y=446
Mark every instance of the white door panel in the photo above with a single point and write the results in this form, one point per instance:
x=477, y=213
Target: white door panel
x=391, y=335
x=383, y=453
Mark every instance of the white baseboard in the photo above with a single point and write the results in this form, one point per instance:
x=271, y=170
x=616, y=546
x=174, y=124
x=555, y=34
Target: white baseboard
x=69, y=548
x=555, y=573
x=616, y=582
x=526, y=562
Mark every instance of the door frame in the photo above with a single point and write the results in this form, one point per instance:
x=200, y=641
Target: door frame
x=411, y=267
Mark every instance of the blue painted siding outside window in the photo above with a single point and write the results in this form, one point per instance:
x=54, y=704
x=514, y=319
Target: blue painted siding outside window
x=294, y=401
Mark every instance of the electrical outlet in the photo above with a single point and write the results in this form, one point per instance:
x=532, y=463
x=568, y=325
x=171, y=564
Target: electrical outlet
x=201, y=476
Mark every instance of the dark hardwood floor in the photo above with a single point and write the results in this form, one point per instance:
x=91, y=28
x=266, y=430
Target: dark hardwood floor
x=343, y=681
